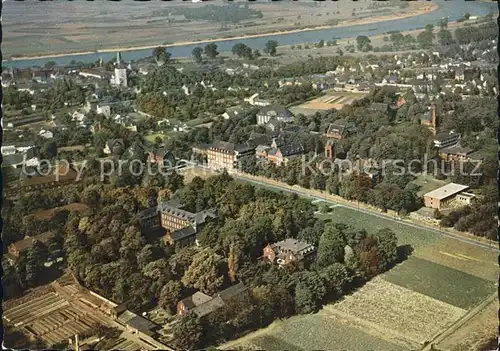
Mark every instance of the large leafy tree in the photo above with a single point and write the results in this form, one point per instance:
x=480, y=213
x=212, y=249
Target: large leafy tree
x=387, y=248
x=205, y=272
x=187, y=333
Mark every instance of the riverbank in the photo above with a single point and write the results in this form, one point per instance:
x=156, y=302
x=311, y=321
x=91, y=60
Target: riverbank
x=414, y=12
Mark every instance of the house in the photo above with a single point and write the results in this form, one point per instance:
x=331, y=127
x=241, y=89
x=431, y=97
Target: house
x=202, y=305
x=98, y=73
x=390, y=79
x=21, y=157
x=114, y=146
x=274, y=125
x=254, y=101
x=278, y=112
x=136, y=324
x=46, y=134
x=281, y=154
x=233, y=112
x=441, y=197
x=225, y=155
x=455, y=153
x=189, y=303
x=182, y=226
x=446, y=139
x=288, y=251
x=161, y=156
x=19, y=248
x=340, y=129
x=330, y=149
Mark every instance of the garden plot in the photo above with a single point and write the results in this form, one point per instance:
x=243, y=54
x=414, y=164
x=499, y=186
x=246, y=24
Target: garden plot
x=399, y=314
x=440, y=282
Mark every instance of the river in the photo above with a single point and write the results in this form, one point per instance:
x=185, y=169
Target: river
x=453, y=9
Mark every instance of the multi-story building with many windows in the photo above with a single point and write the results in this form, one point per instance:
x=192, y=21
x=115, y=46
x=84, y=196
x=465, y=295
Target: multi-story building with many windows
x=224, y=155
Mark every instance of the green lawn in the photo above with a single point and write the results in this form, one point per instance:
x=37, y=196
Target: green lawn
x=152, y=137
x=428, y=183
x=440, y=282
x=406, y=235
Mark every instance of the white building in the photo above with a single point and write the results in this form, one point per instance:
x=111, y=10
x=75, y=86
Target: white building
x=120, y=77
x=46, y=134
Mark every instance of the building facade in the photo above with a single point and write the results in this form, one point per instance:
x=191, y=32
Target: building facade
x=223, y=155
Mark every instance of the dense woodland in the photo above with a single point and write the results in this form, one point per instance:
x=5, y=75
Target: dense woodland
x=107, y=252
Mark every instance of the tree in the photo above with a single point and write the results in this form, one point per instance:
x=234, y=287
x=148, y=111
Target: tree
x=309, y=292
x=331, y=245
x=363, y=42
x=335, y=278
x=425, y=39
x=161, y=54
x=270, y=48
x=429, y=28
x=387, y=248
x=443, y=23
x=197, y=54
x=49, y=150
x=205, y=272
x=187, y=333
x=256, y=54
x=241, y=50
x=211, y=50
x=174, y=181
x=320, y=44
x=170, y=294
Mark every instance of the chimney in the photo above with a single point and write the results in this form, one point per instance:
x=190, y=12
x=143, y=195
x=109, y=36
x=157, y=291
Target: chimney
x=434, y=120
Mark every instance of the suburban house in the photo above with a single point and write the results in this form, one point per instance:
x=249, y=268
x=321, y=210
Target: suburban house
x=288, y=251
x=161, y=155
x=225, y=155
x=443, y=196
x=20, y=157
x=446, y=139
x=46, y=134
x=278, y=112
x=180, y=226
x=340, y=129
x=202, y=305
x=114, y=146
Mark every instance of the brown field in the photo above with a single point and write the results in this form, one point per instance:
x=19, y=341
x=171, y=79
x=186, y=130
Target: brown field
x=47, y=214
x=398, y=314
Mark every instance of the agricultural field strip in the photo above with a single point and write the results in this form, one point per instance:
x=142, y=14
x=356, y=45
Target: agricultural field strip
x=398, y=311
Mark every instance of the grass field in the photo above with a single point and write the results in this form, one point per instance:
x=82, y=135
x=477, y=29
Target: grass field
x=466, y=258
x=406, y=235
x=440, y=282
x=152, y=137
x=428, y=183
x=321, y=331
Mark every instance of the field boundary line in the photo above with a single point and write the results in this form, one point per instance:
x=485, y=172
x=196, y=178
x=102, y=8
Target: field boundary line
x=459, y=323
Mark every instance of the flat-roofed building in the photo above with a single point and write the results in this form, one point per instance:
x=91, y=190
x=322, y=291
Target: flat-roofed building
x=442, y=196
